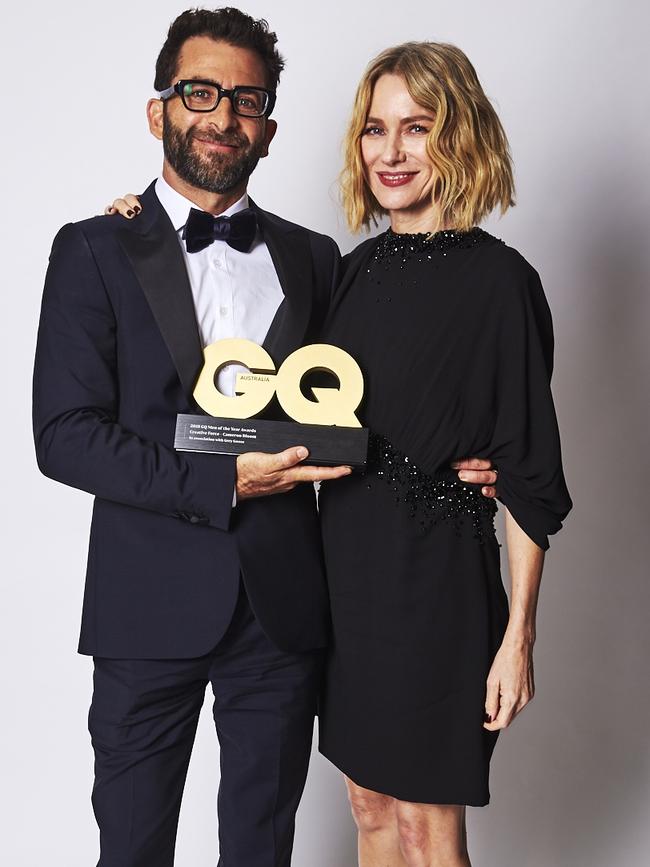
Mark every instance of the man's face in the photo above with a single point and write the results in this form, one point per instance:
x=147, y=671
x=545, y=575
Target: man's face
x=214, y=151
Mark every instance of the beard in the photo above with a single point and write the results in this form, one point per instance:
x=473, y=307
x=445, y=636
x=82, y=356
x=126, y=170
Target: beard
x=213, y=172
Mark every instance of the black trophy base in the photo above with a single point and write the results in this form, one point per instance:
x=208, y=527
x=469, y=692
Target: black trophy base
x=328, y=445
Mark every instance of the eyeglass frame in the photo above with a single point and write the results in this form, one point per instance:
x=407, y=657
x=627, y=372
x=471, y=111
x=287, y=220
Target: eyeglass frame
x=221, y=92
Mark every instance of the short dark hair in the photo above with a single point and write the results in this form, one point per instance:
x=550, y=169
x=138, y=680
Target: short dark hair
x=223, y=25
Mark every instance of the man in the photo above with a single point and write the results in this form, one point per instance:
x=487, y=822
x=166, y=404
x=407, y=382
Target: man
x=195, y=573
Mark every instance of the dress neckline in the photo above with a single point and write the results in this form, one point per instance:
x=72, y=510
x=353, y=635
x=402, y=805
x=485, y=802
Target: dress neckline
x=403, y=247
x=444, y=239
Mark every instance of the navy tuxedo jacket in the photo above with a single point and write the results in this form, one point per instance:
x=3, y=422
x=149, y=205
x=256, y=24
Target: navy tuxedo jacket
x=117, y=357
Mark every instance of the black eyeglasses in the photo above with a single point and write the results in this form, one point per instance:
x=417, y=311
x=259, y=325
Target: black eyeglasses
x=206, y=95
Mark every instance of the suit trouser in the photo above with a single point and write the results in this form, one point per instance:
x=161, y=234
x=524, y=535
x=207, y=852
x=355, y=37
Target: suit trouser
x=143, y=720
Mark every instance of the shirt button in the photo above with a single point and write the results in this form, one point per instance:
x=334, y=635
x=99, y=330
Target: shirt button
x=223, y=311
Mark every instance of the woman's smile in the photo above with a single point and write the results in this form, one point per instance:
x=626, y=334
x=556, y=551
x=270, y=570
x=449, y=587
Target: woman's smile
x=396, y=179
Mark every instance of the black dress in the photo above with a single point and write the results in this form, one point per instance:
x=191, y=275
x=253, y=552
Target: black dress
x=454, y=336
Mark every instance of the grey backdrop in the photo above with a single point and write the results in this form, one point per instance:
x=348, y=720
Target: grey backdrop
x=570, y=778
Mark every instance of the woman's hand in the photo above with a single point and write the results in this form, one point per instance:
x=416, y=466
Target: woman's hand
x=129, y=206
x=510, y=683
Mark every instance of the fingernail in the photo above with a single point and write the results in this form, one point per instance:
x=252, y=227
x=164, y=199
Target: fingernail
x=302, y=453
x=488, y=718
x=137, y=209
x=462, y=476
x=129, y=213
x=484, y=491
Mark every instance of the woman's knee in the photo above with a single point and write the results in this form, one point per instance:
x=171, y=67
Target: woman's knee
x=371, y=811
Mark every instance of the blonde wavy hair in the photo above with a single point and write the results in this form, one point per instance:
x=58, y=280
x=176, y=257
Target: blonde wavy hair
x=466, y=144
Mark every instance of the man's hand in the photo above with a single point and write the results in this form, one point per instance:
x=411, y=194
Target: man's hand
x=259, y=474
x=478, y=471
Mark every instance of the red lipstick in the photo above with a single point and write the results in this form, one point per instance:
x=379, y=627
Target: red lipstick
x=395, y=179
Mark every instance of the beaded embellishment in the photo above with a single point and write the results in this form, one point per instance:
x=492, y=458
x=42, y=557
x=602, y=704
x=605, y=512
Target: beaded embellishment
x=431, y=500
x=398, y=247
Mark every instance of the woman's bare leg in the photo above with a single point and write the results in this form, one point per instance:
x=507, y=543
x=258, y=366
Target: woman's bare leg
x=396, y=833
x=432, y=835
x=376, y=820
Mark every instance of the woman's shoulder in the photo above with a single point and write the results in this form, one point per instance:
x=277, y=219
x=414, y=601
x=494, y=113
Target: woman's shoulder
x=359, y=253
x=515, y=295
x=509, y=276
x=507, y=261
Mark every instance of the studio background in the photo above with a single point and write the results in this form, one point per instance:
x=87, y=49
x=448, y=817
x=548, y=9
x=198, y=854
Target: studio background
x=570, y=781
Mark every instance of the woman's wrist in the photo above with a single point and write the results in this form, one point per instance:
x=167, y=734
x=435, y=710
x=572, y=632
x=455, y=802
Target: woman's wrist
x=520, y=633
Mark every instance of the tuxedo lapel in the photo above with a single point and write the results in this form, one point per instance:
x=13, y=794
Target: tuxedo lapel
x=290, y=251
x=152, y=248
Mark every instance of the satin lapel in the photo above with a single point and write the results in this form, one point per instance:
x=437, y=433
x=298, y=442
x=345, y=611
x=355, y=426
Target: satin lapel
x=154, y=252
x=291, y=254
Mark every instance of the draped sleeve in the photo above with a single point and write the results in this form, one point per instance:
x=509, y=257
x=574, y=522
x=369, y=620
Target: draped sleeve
x=526, y=443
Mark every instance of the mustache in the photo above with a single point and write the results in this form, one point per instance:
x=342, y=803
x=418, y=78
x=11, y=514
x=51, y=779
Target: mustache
x=210, y=135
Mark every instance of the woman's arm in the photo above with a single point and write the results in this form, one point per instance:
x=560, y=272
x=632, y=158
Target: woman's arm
x=510, y=683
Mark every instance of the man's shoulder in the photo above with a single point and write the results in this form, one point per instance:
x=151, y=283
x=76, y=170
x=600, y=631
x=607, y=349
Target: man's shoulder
x=104, y=226
x=284, y=225
x=94, y=228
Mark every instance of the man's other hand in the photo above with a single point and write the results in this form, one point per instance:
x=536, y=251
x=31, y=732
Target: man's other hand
x=478, y=471
x=260, y=474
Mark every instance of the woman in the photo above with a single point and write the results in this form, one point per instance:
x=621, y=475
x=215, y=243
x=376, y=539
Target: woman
x=454, y=335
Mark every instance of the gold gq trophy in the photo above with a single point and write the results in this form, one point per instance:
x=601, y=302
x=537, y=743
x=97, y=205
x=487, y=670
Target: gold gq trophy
x=327, y=426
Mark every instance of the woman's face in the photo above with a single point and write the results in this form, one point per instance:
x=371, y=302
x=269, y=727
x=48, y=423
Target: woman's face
x=393, y=149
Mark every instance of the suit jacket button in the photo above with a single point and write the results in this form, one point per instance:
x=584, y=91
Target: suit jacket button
x=195, y=519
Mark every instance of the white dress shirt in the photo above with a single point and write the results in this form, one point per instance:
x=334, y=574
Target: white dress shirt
x=235, y=294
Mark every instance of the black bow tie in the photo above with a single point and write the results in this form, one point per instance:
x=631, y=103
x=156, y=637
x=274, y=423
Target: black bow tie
x=202, y=229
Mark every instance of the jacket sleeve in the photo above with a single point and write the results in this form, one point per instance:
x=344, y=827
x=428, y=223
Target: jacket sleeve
x=79, y=440
x=526, y=441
